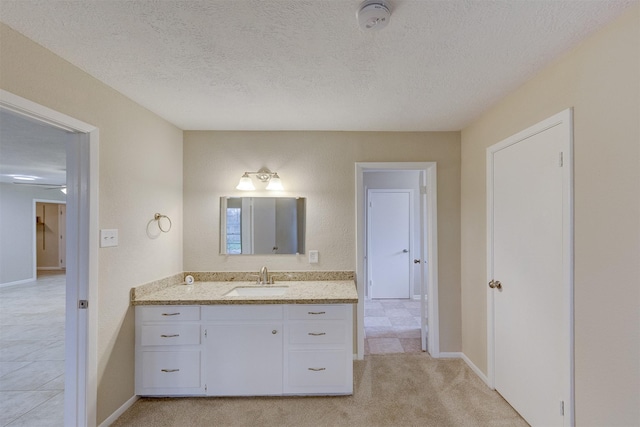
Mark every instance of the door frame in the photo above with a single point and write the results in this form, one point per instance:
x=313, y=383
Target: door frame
x=81, y=326
x=429, y=237
x=411, y=235
x=564, y=119
x=35, y=231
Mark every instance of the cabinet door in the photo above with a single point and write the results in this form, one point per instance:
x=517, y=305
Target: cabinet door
x=244, y=359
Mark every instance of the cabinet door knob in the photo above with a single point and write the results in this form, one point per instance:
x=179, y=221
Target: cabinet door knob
x=274, y=332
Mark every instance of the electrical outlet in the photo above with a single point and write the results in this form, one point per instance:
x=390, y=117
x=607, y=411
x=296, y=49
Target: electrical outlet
x=313, y=257
x=108, y=238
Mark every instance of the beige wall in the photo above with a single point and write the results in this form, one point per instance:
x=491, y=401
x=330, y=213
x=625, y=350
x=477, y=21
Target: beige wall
x=140, y=174
x=601, y=81
x=321, y=167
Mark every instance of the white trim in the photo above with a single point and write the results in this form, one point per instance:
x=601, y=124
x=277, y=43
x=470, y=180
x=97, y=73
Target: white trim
x=431, y=243
x=50, y=269
x=121, y=410
x=564, y=119
x=450, y=355
x=81, y=364
x=476, y=370
x=15, y=283
x=470, y=364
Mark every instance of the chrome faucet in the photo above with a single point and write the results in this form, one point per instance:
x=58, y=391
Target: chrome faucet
x=263, y=278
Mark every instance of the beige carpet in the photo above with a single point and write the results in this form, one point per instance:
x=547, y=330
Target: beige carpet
x=410, y=389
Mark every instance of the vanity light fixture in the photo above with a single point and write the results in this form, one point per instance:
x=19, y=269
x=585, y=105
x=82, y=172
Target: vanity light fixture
x=264, y=175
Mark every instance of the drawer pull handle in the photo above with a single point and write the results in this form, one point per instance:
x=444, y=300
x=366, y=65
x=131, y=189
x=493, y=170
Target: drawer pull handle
x=170, y=336
x=317, y=334
x=317, y=312
x=170, y=314
x=170, y=370
x=317, y=369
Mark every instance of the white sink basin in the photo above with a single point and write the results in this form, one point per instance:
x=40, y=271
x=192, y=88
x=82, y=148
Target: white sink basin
x=257, y=291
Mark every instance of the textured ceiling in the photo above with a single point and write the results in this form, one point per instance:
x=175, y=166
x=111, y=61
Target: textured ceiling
x=305, y=64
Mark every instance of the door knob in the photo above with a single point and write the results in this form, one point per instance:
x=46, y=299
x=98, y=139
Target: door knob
x=495, y=284
x=405, y=250
x=416, y=261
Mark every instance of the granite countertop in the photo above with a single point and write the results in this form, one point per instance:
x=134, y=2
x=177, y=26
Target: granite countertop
x=212, y=293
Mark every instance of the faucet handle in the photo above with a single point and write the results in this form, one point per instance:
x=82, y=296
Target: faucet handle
x=257, y=277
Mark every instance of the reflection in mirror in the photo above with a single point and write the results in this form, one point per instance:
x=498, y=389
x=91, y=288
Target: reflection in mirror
x=262, y=225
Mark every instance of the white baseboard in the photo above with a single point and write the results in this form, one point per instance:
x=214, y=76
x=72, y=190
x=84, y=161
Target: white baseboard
x=17, y=282
x=449, y=355
x=50, y=268
x=476, y=370
x=470, y=364
x=121, y=410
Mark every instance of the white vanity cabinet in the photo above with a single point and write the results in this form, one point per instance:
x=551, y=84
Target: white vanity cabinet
x=168, y=351
x=318, y=356
x=244, y=350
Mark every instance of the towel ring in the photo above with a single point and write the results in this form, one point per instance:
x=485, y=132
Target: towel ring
x=158, y=217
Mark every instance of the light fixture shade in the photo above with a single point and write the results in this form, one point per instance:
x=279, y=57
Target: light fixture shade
x=245, y=184
x=274, y=183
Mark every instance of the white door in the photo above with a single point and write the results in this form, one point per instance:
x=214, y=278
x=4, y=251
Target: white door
x=389, y=241
x=528, y=273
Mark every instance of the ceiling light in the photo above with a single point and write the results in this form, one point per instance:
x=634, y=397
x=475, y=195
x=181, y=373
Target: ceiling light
x=263, y=175
x=24, y=177
x=373, y=15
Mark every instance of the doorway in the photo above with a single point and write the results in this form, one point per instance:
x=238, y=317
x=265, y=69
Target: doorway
x=50, y=234
x=425, y=284
x=80, y=387
x=530, y=264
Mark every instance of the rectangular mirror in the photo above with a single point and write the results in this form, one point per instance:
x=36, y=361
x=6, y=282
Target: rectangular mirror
x=262, y=225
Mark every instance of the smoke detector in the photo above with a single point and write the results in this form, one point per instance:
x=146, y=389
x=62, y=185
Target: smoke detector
x=373, y=15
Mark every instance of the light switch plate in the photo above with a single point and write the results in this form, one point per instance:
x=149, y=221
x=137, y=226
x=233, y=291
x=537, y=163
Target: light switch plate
x=313, y=257
x=108, y=237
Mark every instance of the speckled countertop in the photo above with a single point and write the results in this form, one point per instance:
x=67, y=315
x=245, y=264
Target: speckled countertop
x=212, y=293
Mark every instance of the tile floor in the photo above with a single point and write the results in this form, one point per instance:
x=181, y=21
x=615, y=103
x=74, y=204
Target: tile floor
x=32, y=325
x=392, y=326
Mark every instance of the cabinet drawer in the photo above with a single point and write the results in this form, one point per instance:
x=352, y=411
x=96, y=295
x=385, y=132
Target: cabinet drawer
x=175, y=369
x=317, y=312
x=327, y=332
x=179, y=334
x=163, y=313
x=317, y=368
x=242, y=312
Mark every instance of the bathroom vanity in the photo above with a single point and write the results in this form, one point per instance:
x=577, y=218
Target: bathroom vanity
x=242, y=339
